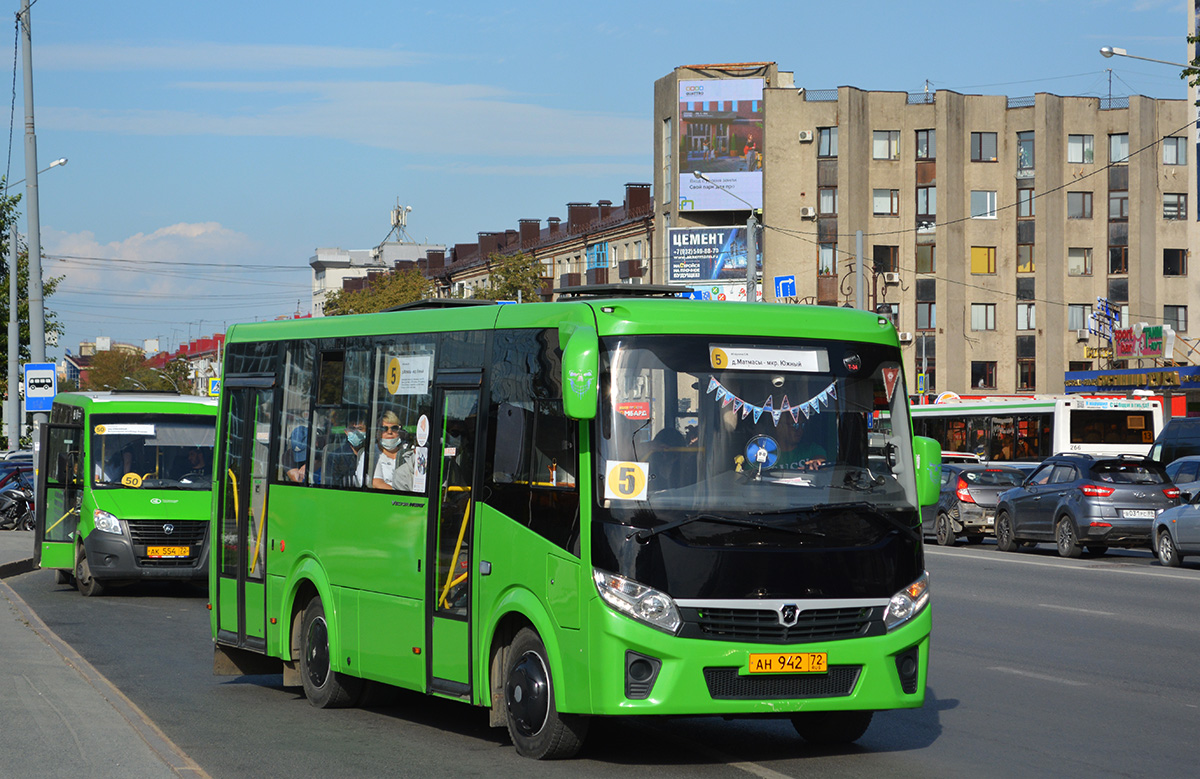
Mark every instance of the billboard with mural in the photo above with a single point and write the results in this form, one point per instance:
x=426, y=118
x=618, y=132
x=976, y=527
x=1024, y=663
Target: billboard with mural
x=699, y=254
x=721, y=136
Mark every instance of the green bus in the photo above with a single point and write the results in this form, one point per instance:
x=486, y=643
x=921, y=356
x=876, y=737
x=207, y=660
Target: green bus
x=124, y=488
x=590, y=507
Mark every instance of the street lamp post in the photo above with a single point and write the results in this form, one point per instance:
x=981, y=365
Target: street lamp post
x=13, y=417
x=1109, y=51
x=167, y=376
x=751, y=241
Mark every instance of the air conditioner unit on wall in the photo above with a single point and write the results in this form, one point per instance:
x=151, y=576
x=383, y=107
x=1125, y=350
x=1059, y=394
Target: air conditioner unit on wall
x=805, y=136
x=891, y=278
x=1082, y=334
x=808, y=212
x=905, y=337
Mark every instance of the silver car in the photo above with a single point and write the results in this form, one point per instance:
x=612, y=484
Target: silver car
x=1176, y=531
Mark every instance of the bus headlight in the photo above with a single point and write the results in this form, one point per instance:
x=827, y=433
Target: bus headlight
x=106, y=522
x=645, y=604
x=907, y=603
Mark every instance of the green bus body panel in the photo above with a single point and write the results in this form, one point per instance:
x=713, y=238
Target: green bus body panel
x=58, y=554
x=390, y=628
x=450, y=659
x=562, y=574
x=226, y=612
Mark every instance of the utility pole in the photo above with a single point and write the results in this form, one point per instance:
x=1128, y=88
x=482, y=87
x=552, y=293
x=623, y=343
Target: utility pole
x=13, y=416
x=37, y=314
x=751, y=258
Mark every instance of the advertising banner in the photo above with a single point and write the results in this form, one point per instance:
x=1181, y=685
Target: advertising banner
x=700, y=254
x=721, y=136
x=1143, y=340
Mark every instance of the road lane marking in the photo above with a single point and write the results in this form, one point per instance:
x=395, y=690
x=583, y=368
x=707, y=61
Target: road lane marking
x=1039, y=677
x=1063, y=565
x=1077, y=610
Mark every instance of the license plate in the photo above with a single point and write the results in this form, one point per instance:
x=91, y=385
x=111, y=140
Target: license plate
x=168, y=551
x=787, y=663
x=1138, y=513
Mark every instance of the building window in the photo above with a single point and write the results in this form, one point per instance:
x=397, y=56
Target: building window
x=1176, y=317
x=926, y=258
x=886, y=202
x=1079, y=261
x=1025, y=203
x=827, y=259
x=926, y=359
x=1025, y=258
x=1026, y=375
x=597, y=256
x=983, y=316
x=1025, y=154
x=983, y=147
x=827, y=142
x=1079, y=149
x=983, y=375
x=1118, y=260
x=1079, y=365
x=827, y=201
x=926, y=144
x=926, y=204
x=1079, y=316
x=1025, y=317
x=1118, y=147
x=885, y=144
x=1174, y=151
x=1175, y=205
x=983, y=204
x=886, y=259
x=1118, y=205
x=1174, y=262
x=983, y=259
x=926, y=307
x=1079, y=205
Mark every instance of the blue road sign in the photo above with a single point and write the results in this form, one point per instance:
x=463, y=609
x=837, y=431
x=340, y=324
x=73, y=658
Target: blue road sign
x=785, y=286
x=41, y=385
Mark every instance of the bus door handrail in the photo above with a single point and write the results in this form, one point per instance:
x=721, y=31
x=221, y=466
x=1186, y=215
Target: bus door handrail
x=451, y=579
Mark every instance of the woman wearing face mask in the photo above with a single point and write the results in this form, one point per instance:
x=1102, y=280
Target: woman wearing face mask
x=346, y=461
x=389, y=446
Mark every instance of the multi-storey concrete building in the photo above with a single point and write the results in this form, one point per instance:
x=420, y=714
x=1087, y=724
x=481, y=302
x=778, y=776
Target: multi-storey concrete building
x=992, y=229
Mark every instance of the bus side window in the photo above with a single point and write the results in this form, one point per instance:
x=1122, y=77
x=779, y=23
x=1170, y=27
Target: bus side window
x=554, y=460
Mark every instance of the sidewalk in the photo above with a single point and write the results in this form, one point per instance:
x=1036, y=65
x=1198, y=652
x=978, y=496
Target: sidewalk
x=62, y=718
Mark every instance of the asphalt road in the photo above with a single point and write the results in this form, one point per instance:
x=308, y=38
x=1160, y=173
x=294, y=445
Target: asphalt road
x=1039, y=667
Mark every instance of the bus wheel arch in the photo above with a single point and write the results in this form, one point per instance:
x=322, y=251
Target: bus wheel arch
x=506, y=629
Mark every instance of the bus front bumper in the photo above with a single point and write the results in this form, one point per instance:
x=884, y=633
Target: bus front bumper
x=636, y=669
x=115, y=558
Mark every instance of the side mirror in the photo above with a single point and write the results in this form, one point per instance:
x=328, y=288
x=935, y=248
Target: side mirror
x=928, y=454
x=581, y=369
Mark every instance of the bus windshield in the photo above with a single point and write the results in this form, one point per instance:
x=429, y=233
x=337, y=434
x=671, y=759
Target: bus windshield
x=726, y=427
x=152, y=451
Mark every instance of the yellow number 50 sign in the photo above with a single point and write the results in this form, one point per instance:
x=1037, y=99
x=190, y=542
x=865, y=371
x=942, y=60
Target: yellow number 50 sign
x=625, y=480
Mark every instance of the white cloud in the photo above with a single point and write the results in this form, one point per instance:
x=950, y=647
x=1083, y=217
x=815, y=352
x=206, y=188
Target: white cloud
x=215, y=56
x=425, y=119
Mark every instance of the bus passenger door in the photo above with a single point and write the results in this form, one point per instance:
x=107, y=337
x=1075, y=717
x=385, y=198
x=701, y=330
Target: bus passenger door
x=452, y=455
x=59, y=485
x=241, y=539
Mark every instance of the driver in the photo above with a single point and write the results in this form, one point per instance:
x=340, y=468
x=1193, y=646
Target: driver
x=196, y=465
x=800, y=444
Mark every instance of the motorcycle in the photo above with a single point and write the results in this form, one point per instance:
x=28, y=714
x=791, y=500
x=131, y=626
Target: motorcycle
x=16, y=508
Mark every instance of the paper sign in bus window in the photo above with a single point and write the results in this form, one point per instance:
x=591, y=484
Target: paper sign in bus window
x=626, y=480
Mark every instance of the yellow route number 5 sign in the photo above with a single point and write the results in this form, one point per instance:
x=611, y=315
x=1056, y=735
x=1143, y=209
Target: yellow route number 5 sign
x=625, y=480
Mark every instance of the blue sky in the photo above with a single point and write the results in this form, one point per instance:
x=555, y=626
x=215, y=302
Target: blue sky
x=214, y=146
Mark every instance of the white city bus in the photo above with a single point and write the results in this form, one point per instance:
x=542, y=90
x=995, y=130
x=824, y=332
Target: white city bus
x=1033, y=427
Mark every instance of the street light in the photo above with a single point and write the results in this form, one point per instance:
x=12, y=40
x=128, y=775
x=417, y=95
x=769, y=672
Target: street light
x=14, y=411
x=136, y=383
x=751, y=240
x=1109, y=51
x=167, y=376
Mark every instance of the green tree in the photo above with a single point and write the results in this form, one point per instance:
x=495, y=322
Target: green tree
x=117, y=369
x=1192, y=73
x=513, y=277
x=386, y=291
x=172, y=376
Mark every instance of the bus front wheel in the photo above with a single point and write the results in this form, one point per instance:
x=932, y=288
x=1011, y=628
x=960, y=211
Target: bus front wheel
x=87, y=584
x=324, y=687
x=534, y=724
x=827, y=728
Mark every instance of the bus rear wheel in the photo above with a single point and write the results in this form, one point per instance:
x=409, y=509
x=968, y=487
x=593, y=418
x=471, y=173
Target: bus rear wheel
x=324, y=687
x=829, y=728
x=87, y=584
x=534, y=724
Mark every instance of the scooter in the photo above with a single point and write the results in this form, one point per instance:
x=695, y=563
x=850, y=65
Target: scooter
x=16, y=509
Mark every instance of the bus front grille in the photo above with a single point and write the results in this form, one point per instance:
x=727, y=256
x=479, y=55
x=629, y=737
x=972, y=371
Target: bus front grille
x=763, y=625
x=728, y=684
x=146, y=533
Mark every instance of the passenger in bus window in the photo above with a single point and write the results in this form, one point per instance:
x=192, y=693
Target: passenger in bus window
x=392, y=455
x=345, y=461
x=298, y=449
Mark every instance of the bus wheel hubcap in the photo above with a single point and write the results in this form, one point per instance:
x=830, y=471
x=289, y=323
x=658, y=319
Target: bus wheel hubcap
x=316, y=649
x=527, y=694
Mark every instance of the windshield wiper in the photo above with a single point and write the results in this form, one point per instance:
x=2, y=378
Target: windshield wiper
x=645, y=534
x=872, y=510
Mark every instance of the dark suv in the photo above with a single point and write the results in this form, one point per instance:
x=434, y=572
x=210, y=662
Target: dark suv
x=1085, y=503
x=1179, y=437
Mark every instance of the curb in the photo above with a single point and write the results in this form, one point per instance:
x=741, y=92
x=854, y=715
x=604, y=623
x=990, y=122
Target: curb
x=16, y=568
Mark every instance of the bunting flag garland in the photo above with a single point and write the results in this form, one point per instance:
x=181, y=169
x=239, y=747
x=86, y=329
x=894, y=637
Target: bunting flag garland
x=809, y=407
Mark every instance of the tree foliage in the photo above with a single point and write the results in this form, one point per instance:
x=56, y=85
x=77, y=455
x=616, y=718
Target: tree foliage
x=130, y=370
x=1192, y=73
x=388, y=290
x=513, y=277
